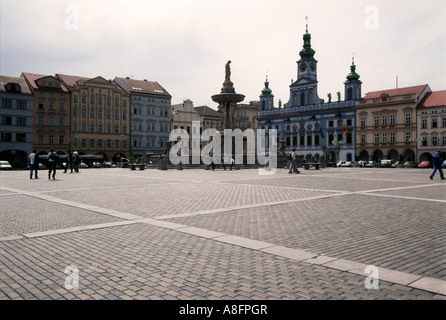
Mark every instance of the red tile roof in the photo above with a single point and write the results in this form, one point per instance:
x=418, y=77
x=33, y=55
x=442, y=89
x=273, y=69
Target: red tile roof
x=434, y=99
x=32, y=77
x=206, y=111
x=397, y=92
x=4, y=80
x=144, y=86
x=70, y=80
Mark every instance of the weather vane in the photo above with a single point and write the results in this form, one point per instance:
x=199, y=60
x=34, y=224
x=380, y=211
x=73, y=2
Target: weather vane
x=306, y=19
x=353, y=58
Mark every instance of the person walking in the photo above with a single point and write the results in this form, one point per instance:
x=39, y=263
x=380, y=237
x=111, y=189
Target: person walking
x=293, y=164
x=76, y=161
x=69, y=162
x=53, y=157
x=437, y=162
x=33, y=158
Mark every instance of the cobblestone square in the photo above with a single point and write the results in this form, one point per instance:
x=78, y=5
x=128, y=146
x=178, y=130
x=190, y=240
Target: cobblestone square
x=193, y=234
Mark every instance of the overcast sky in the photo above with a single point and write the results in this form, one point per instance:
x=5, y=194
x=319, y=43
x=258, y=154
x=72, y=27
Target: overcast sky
x=185, y=44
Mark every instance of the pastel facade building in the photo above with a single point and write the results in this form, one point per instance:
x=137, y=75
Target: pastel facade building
x=150, y=116
x=387, y=124
x=100, y=117
x=51, y=112
x=16, y=121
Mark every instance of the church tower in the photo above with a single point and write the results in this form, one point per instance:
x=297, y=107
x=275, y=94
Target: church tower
x=352, y=84
x=266, y=98
x=304, y=90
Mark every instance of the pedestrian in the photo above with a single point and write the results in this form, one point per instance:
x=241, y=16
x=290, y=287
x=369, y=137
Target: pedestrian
x=437, y=162
x=232, y=164
x=224, y=160
x=33, y=158
x=293, y=164
x=53, y=158
x=76, y=161
x=69, y=162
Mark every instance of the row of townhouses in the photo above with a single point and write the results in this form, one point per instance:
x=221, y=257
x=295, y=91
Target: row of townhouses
x=126, y=117
x=403, y=124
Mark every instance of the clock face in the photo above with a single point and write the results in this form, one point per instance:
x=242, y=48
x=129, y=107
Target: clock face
x=312, y=66
x=303, y=67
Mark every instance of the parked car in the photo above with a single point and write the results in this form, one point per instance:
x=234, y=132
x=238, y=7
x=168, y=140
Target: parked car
x=395, y=165
x=346, y=164
x=425, y=164
x=4, y=165
x=83, y=165
x=410, y=164
x=386, y=163
x=370, y=164
x=96, y=165
x=340, y=163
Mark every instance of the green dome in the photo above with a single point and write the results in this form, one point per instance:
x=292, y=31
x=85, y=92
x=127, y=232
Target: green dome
x=266, y=90
x=353, y=76
x=307, y=51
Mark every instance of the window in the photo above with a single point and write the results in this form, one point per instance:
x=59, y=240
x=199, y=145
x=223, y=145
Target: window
x=51, y=139
x=21, y=104
x=74, y=112
x=91, y=128
x=376, y=137
x=92, y=113
x=51, y=120
x=384, y=119
x=40, y=105
x=100, y=128
x=83, y=143
x=443, y=122
x=116, y=115
x=424, y=141
x=384, y=137
x=91, y=144
x=407, y=136
x=61, y=139
x=52, y=105
x=6, y=137
x=407, y=118
x=40, y=139
x=362, y=121
x=6, y=120
x=40, y=121
x=362, y=138
x=330, y=123
x=6, y=103
x=434, y=141
x=424, y=124
x=434, y=123
x=99, y=143
x=99, y=113
x=75, y=98
x=443, y=139
x=392, y=119
x=75, y=127
x=62, y=106
x=84, y=113
x=61, y=121
x=84, y=127
x=316, y=140
x=376, y=120
x=84, y=99
x=20, y=137
x=20, y=121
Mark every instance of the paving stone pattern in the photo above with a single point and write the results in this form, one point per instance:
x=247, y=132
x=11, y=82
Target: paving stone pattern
x=223, y=235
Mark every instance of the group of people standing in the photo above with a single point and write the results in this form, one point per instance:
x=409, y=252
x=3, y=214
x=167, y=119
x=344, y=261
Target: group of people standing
x=53, y=159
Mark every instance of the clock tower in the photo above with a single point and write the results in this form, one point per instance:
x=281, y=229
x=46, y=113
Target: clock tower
x=304, y=90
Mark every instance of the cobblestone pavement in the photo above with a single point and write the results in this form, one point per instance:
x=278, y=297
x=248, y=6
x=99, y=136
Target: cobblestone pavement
x=338, y=233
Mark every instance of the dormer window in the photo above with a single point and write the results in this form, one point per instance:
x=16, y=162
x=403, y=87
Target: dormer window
x=13, y=87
